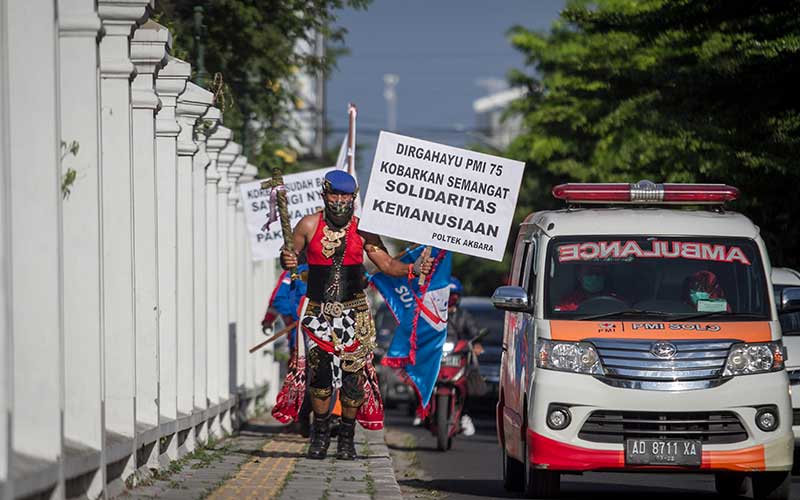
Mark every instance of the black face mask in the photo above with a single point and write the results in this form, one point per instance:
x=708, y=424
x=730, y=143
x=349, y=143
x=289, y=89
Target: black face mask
x=338, y=213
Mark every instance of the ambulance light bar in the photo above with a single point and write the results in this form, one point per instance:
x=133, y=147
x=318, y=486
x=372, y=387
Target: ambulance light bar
x=646, y=192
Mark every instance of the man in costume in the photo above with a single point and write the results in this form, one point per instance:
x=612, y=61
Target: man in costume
x=334, y=314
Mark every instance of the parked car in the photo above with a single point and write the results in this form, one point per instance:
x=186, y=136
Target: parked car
x=782, y=278
x=490, y=318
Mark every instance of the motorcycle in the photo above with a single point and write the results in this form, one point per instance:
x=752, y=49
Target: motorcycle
x=458, y=364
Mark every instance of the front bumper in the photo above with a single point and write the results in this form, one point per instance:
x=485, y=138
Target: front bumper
x=565, y=450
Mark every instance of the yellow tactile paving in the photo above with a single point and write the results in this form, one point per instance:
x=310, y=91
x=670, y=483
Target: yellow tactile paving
x=264, y=475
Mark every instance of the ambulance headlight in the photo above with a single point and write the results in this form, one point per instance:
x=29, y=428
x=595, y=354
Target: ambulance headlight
x=747, y=359
x=577, y=357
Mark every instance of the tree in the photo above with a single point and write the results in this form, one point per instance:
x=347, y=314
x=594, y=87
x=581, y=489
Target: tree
x=253, y=46
x=672, y=91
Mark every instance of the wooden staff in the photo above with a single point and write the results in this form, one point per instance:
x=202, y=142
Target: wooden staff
x=283, y=212
x=278, y=335
x=426, y=252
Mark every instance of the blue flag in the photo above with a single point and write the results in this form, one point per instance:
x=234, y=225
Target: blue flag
x=422, y=316
x=285, y=299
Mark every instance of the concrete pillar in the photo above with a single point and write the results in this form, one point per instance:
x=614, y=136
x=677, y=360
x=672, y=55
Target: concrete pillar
x=225, y=160
x=79, y=27
x=148, y=51
x=6, y=345
x=246, y=309
x=216, y=142
x=32, y=230
x=201, y=162
x=119, y=19
x=255, y=306
x=192, y=104
x=238, y=238
x=170, y=82
x=271, y=368
x=259, y=304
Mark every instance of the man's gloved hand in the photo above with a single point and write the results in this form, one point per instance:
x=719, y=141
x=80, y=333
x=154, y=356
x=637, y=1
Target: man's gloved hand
x=288, y=259
x=266, y=328
x=423, y=266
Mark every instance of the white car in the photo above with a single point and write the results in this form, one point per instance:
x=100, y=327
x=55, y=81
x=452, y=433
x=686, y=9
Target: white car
x=782, y=278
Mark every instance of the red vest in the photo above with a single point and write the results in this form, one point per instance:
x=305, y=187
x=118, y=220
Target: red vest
x=353, y=253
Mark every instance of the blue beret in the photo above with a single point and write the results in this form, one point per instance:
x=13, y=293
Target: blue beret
x=340, y=181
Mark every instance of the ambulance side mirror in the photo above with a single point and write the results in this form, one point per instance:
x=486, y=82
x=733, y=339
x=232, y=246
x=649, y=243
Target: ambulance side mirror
x=789, y=300
x=512, y=298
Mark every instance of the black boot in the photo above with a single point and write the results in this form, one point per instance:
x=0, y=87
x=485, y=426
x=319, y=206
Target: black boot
x=320, y=437
x=345, y=448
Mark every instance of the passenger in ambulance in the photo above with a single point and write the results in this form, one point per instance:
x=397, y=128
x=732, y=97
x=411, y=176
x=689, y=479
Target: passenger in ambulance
x=592, y=281
x=703, y=292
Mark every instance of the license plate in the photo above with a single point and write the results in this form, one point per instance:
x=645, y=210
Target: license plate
x=684, y=452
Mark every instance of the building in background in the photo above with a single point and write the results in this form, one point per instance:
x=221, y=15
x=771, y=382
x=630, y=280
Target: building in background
x=495, y=129
x=309, y=115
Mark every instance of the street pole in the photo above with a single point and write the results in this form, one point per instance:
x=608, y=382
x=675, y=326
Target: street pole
x=390, y=81
x=319, y=106
x=200, y=47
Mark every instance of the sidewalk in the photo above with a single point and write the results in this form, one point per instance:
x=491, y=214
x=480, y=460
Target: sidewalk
x=265, y=462
x=369, y=477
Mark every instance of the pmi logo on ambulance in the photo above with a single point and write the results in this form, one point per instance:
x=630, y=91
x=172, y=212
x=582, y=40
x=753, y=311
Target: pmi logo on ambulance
x=660, y=249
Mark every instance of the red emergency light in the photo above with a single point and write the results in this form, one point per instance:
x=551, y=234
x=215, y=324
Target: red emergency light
x=646, y=192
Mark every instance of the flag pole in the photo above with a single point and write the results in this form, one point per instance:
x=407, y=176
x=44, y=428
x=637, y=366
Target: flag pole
x=351, y=139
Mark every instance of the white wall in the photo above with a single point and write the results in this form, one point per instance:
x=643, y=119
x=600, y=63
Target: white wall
x=115, y=300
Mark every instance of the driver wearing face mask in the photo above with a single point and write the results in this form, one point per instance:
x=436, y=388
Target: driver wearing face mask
x=703, y=286
x=592, y=282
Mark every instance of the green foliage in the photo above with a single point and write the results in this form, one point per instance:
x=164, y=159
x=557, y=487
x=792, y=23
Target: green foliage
x=70, y=174
x=672, y=91
x=253, y=45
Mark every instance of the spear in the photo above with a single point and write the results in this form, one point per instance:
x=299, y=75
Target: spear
x=278, y=335
x=278, y=194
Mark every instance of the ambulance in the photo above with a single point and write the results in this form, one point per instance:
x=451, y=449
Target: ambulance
x=642, y=334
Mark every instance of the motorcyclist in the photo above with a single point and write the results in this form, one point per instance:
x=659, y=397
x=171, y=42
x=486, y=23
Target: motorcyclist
x=461, y=325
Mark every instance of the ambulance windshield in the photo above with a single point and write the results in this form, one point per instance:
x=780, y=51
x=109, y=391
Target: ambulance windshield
x=655, y=277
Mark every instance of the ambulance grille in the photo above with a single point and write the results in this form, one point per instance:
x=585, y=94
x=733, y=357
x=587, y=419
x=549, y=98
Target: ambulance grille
x=692, y=360
x=720, y=427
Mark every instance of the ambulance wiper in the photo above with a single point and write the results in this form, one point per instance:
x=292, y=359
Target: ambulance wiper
x=711, y=314
x=624, y=313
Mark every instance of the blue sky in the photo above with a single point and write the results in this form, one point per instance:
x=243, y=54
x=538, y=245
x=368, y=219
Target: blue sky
x=440, y=49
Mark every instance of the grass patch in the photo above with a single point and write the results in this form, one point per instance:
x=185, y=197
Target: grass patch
x=286, y=480
x=207, y=493
x=370, y=486
x=177, y=485
x=365, y=450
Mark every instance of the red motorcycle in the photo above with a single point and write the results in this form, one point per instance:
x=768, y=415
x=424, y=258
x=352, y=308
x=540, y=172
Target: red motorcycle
x=459, y=365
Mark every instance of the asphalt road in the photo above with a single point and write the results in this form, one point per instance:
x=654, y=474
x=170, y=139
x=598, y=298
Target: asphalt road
x=472, y=470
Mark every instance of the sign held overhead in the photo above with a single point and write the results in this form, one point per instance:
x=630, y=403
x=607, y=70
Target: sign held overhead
x=304, y=194
x=438, y=195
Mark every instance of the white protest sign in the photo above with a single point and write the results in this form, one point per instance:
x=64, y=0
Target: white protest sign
x=438, y=195
x=304, y=196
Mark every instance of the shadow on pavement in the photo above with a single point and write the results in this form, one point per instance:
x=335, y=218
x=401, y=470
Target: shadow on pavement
x=474, y=487
x=480, y=488
x=411, y=448
x=273, y=454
